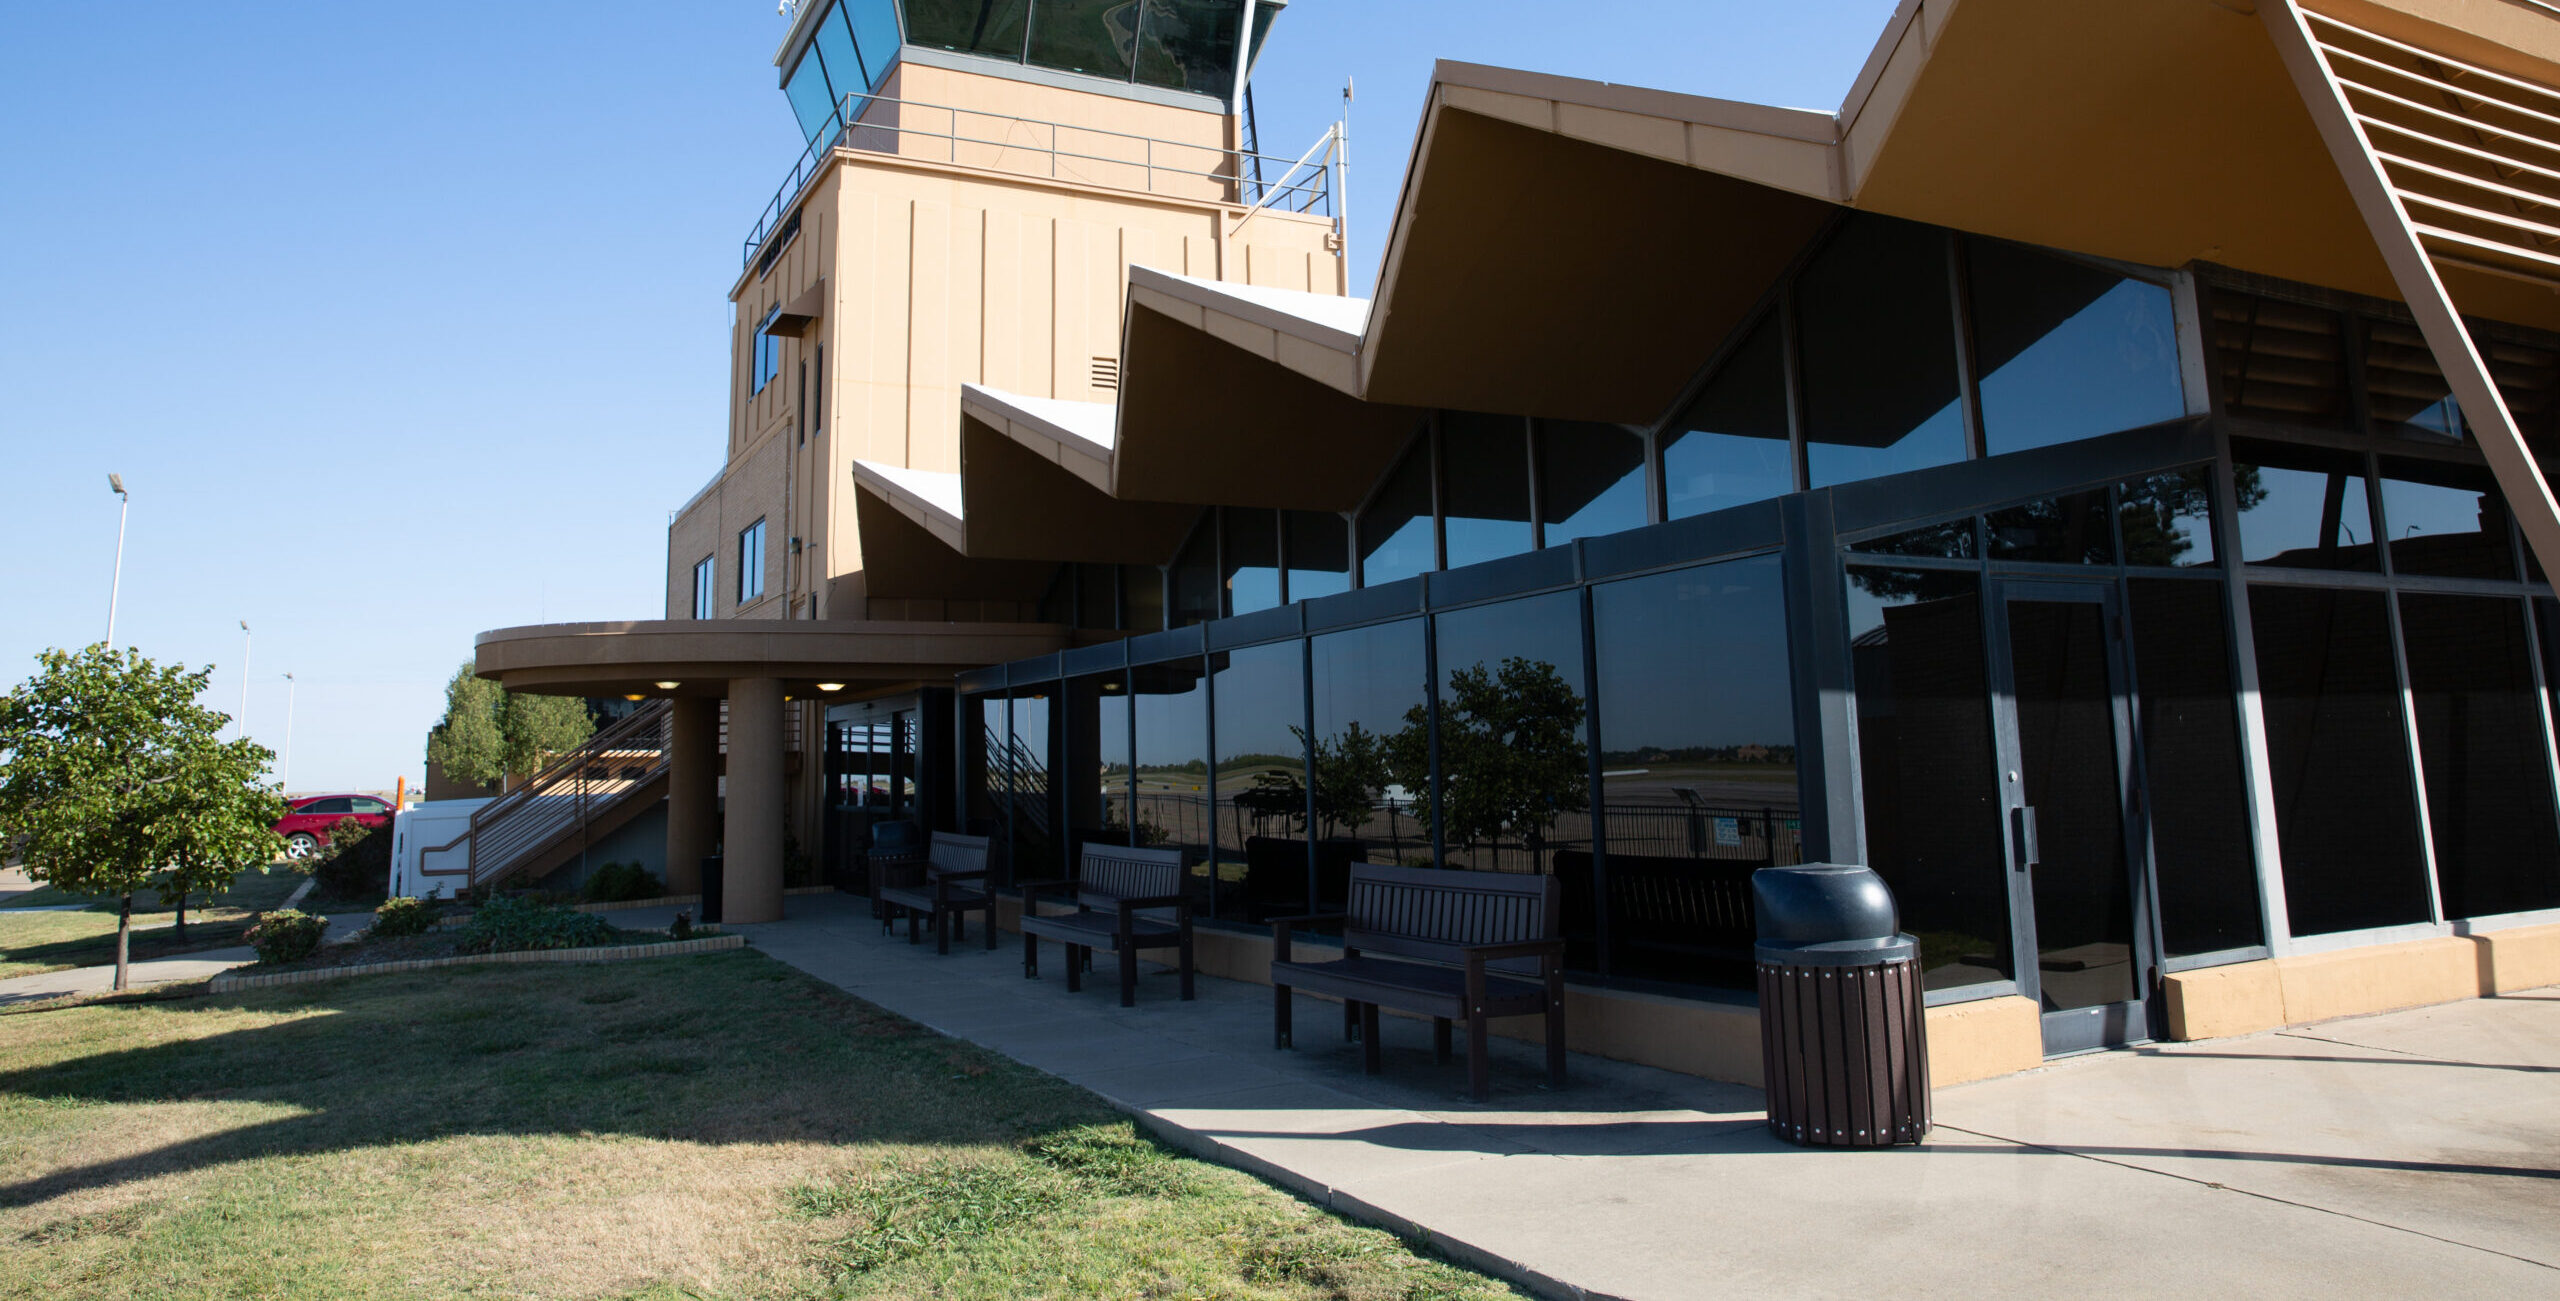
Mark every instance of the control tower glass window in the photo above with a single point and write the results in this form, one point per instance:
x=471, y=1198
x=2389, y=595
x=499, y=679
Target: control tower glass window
x=1188, y=45
x=974, y=26
x=1094, y=37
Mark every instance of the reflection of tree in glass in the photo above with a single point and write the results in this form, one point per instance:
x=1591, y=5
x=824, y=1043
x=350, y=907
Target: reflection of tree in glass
x=1511, y=754
x=1350, y=771
x=2153, y=508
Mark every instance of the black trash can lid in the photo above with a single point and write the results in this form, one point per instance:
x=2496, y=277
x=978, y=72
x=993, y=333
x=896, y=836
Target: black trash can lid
x=1827, y=914
x=1839, y=953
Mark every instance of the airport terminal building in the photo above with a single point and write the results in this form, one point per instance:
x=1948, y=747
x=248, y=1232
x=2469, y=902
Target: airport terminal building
x=2094, y=478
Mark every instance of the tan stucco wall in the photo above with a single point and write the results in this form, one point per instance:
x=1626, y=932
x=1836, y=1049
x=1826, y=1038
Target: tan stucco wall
x=2250, y=997
x=751, y=488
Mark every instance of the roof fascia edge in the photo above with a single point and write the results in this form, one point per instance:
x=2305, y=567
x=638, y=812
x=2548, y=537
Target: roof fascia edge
x=1808, y=125
x=1072, y=451
x=949, y=529
x=1208, y=296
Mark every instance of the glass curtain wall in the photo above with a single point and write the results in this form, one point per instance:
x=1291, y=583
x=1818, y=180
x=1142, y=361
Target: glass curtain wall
x=1260, y=699
x=1590, y=480
x=1094, y=737
x=1484, y=487
x=1514, y=784
x=1172, y=44
x=1368, y=687
x=1170, y=784
x=852, y=46
x=1036, y=818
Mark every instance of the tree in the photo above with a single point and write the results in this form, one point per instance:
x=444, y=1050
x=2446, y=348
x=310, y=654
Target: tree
x=111, y=772
x=467, y=744
x=1511, y=754
x=533, y=728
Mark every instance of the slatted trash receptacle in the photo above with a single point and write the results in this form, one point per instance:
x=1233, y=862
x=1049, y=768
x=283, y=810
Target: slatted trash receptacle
x=1843, y=1046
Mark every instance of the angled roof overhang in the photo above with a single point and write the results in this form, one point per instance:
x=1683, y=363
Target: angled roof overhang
x=910, y=523
x=1246, y=397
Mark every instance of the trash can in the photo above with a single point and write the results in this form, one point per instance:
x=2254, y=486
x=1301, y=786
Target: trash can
x=1844, y=1052
x=711, y=889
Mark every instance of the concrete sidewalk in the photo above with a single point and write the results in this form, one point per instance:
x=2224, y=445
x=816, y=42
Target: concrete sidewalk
x=2415, y=1153
x=48, y=985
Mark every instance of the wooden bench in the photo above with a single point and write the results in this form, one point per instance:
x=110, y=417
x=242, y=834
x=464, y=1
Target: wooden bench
x=1670, y=918
x=1116, y=887
x=1449, y=945
x=947, y=884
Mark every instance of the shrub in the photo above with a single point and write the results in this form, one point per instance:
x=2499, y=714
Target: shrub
x=682, y=927
x=509, y=925
x=287, y=936
x=398, y=917
x=358, y=862
x=616, y=882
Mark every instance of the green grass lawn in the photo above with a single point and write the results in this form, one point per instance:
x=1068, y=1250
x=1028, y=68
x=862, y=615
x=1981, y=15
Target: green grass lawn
x=714, y=1126
x=38, y=941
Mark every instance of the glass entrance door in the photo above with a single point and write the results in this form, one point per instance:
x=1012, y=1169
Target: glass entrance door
x=2071, y=802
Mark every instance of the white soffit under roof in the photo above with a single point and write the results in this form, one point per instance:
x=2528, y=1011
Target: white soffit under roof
x=1076, y=435
x=929, y=497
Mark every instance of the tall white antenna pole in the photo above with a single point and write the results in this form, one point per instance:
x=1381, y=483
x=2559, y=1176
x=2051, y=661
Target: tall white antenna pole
x=115, y=586
x=242, y=723
x=1342, y=184
x=285, y=778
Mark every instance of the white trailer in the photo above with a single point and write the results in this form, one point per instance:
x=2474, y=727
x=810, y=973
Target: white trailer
x=420, y=868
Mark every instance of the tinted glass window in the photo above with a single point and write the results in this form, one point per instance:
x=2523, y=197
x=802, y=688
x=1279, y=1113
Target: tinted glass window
x=1697, y=760
x=1876, y=332
x=1194, y=576
x=986, y=731
x=875, y=29
x=1590, y=479
x=1095, y=779
x=1514, y=763
x=2303, y=507
x=2280, y=361
x=2167, y=519
x=1485, y=486
x=1038, y=853
x=1925, y=766
x=703, y=592
x=980, y=26
x=1172, y=781
x=2445, y=519
x=2346, y=813
x=2200, y=839
x=370, y=806
x=2405, y=392
x=1188, y=45
x=1368, y=687
x=1319, y=553
x=1395, y=530
x=844, y=67
x=1142, y=586
x=328, y=806
x=2484, y=753
x=1261, y=811
x=1251, y=560
x=1730, y=446
x=2067, y=351
x=811, y=101
x=2073, y=529
x=2528, y=380
x=1952, y=540
x=1093, y=37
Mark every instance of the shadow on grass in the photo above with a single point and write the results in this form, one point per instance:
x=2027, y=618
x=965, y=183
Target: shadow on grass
x=716, y=1049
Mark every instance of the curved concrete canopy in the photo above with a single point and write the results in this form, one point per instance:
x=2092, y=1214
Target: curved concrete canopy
x=632, y=656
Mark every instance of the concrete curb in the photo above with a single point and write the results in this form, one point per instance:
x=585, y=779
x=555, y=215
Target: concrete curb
x=300, y=893
x=227, y=983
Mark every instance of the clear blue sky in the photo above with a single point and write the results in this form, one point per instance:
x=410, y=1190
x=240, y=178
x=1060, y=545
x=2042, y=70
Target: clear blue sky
x=407, y=321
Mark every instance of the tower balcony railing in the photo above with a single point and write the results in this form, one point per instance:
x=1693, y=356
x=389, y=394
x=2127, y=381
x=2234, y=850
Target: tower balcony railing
x=1002, y=142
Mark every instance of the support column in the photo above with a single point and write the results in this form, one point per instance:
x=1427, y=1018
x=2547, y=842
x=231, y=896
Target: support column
x=751, y=840
x=693, y=790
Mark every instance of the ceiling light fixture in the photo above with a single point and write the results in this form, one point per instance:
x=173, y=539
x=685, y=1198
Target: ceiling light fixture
x=831, y=686
x=669, y=686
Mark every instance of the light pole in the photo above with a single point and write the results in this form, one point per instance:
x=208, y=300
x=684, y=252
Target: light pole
x=243, y=721
x=284, y=778
x=115, y=586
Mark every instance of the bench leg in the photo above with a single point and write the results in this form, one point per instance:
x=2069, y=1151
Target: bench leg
x=1186, y=966
x=1440, y=1040
x=1369, y=1050
x=1075, y=968
x=1280, y=1009
x=942, y=931
x=1350, y=1022
x=1128, y=975
x=1030, y=955
x=912, y=923
x=1555, y=1031
x=991, y=926
x=1479, y=1051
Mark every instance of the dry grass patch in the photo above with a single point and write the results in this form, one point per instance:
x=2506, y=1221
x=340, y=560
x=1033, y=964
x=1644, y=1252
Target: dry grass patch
x=703, y=1127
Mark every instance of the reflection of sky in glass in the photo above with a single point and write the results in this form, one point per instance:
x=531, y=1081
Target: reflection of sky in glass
x=1541, y=629
x=1259, y=700
x=809, y=99
x=2427, y=510
x=1173, y=728
x=1031, y=726
x=1938, y=440
x=2112, y=366
x=2288, y=518
x=1471, y=540
x=1705, y=471
x=1369, y=676
x=1619, y=507
x=875, y=26
x=1697, y=657
x=1254, y=588
x=1405, y=553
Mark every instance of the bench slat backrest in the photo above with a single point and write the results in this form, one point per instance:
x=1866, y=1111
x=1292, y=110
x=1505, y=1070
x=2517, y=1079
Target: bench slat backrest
x=1433, y=913
x=954, y=852
x=1111, y=873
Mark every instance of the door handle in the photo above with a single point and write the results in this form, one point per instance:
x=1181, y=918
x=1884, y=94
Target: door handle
x=2022, y=826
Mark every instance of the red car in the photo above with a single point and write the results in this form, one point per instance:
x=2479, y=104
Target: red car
x=306, y=828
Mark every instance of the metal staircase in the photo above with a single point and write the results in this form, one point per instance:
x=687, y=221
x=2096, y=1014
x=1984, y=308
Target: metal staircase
x=612, y=777
x=1026, y=778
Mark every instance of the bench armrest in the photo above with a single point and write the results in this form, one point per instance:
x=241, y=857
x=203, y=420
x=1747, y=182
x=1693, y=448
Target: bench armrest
x=1129, y=906
x=939, y=875
x=1281, y=926
x=1480, y=953
x=1059, y=887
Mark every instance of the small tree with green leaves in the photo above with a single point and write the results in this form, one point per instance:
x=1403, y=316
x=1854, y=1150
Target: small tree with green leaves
x=114, y=776
x=1512, y=758
x=467, y=743
x=534, y=728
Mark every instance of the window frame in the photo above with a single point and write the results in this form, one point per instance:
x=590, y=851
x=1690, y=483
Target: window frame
x=751, y=557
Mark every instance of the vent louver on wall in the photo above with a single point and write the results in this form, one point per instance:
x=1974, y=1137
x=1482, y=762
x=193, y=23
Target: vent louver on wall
x=2473, y=155
x=1106, y=373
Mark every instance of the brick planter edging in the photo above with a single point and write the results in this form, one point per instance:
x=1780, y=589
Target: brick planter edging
x=228, y=983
